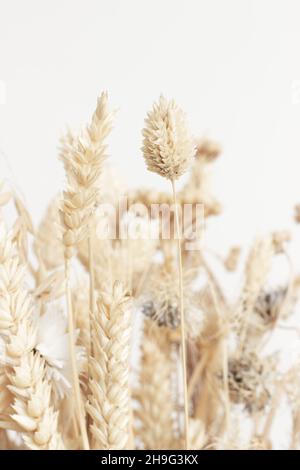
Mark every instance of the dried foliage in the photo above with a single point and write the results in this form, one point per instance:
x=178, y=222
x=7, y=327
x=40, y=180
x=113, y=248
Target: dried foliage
x=133, y=342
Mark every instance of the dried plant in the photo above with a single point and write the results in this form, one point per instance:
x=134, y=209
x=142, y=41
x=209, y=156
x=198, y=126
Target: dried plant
x=167, y=145
x=168, y=151
x=134, y=341
x=109, y=400
x=155, y=403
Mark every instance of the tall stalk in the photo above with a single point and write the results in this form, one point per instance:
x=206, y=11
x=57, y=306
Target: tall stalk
x=91, y=286
x=75, y=375
x=182, y=322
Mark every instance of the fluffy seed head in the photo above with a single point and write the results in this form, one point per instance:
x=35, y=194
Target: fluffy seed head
x=167, y=146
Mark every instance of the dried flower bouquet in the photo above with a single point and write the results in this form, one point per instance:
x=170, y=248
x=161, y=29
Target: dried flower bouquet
x=131, y=342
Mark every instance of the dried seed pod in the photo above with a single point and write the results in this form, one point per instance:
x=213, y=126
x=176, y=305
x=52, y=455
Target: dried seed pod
x=268, y=304
x=167, y=145
x=168, y=316
x=247, y=381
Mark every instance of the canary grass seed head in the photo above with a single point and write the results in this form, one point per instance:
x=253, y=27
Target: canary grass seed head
x=167, y=145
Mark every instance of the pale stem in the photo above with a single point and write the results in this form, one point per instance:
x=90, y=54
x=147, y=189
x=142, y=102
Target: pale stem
x=270, y=418
x=182, y=322
x=76, y=385
x=225, y=360
x=195, y=378
x=226, y=387
x=92, y=286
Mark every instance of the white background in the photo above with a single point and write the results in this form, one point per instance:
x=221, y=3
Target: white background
x=234, y=67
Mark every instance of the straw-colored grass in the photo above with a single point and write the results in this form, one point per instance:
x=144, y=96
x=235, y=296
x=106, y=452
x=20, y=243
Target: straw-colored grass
x=134, y=343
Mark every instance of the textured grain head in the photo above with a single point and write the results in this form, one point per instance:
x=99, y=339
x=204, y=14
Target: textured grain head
x=167, y=146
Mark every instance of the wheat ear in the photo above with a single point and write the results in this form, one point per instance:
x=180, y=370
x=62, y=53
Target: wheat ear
x=31, y=410
x=109, y=400
x=83, y=160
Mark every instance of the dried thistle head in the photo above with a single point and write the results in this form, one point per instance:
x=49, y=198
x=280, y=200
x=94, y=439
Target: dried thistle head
x=268, y=304
x=247, y=380
x=162, y=301
x=167, y=146
x=165, y=315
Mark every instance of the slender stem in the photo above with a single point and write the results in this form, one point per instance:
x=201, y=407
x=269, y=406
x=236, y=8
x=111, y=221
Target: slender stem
x=182, y=322
x=91, y=287
x=274, y=407
x=226, y=387
x=195, y=378
x=225, y=356
x=76, y=385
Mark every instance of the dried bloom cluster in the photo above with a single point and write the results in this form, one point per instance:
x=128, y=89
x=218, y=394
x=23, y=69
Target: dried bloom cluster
x=132, y=342
x=248, y=379
x=162, y=302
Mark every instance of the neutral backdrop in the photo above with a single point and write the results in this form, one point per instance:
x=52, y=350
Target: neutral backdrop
x=234, y=67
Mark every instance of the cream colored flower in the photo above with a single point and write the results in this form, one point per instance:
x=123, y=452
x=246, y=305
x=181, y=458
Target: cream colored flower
x=53, y=345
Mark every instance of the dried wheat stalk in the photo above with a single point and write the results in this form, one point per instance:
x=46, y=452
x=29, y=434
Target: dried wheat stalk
x=109, y=400
x=31, y=409
x=53, y=396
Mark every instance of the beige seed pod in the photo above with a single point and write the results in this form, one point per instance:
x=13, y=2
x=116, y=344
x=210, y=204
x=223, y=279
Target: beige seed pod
x=167, y=146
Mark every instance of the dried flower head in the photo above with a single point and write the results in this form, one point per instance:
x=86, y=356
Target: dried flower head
x=52, y=343
x=167, y=315
x=207, y=150
x=268, y=304
x=162, y=302
x=247, y=381
x=167, y=146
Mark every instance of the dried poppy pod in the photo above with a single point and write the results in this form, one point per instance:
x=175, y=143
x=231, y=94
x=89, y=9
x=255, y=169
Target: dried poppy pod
x=247, y=379
x=167, y=146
